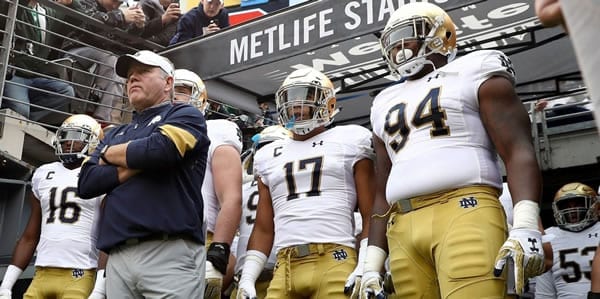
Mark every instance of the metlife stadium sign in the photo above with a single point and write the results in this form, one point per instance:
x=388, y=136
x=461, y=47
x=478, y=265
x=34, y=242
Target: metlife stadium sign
x=301, y=29
x=339, y=38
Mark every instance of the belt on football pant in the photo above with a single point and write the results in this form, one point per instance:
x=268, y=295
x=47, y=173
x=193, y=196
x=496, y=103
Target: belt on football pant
x=300, y=251
x=404, y=206
x=154, y=237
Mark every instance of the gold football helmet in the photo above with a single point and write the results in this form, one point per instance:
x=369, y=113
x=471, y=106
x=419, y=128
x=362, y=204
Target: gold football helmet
x=423, y=22
x=199, y=96
x=305, y=101
x=76, y=138
x=575, y=207
x=266, y=136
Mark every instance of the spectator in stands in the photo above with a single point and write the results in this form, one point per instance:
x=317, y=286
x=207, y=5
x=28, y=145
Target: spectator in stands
x=210, y=16
x=579, y=19
x=556, y=116
x=109, y=12
x=161, y=20
x=31, y=82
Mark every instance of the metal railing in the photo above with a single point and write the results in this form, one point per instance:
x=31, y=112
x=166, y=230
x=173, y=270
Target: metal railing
x=68, y=68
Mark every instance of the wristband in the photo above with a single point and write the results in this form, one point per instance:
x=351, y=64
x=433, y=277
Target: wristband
x=254, y=263
x=374, y=259
x=362, y=253
x=218, y=255
x=100, y=284
x=525, y=214
x=10, y=277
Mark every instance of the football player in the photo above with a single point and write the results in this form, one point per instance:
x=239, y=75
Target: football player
x=574, y=241
x=222, y=187
x=309, y=187
x=437, y=135
x=62, y=226
x=250, y=203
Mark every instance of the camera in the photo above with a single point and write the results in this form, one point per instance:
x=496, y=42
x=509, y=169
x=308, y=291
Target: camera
x=214, y=21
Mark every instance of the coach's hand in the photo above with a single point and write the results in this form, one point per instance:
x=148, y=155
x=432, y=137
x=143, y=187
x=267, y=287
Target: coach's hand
x=214, y=282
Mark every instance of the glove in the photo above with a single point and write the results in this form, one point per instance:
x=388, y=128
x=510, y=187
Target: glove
x=371, y=286
x=388, y=284
x=214, y=282
x=5, y=294
x=99, y=291
x=246, y=290
x=10, y=277
x=524, y=247
x=254, y=263
x=352, y=286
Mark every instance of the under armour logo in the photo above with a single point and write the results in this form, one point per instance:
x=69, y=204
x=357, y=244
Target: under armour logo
x=77, y=273
x=593, y=235
x=468, y=202
x=434, y=77
x=533, y=243
x=340, y=254
x=317, y=143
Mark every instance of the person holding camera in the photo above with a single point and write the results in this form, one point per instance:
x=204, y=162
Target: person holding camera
x=210, y=16
x=161, y=20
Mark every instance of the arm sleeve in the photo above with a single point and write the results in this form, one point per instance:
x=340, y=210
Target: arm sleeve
x=181, y=132
x=364, y=144
x=494, y=63
x=95, y=180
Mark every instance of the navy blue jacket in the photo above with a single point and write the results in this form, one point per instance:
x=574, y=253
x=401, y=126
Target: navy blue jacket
x=169, y=145
x=191, y=23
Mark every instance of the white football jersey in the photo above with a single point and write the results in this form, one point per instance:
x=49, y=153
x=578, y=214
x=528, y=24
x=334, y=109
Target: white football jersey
x=312, y=185
x=573, y=253
x=432, y=129
x=69, y=223
x=220, y=132
x=249, y=205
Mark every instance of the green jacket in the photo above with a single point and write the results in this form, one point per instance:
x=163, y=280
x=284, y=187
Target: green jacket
x=28, y=54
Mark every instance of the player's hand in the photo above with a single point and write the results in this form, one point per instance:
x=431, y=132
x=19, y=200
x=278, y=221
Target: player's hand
x=5, y=294
x=99, y=291
x=246, y=290
x=212, y=27
x=214, y=282
x=352, y=286
x=371, y=286
x=524, y=247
